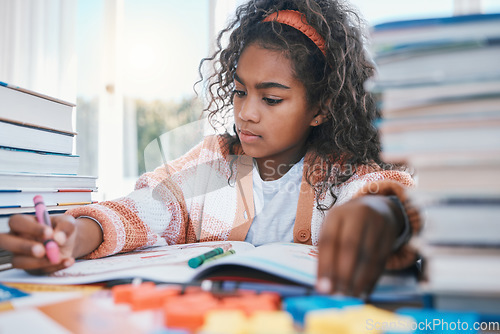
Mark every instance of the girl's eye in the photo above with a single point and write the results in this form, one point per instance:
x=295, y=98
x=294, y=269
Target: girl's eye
x=272, y=102
x=239, y=93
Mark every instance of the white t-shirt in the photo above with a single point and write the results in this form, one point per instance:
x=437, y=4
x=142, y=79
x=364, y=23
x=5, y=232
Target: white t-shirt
x=275, y=206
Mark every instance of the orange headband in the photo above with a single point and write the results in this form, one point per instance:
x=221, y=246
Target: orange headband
x=298, y=21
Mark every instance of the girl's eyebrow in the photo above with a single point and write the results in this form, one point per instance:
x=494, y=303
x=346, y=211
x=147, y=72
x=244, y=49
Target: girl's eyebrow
x=262, y=85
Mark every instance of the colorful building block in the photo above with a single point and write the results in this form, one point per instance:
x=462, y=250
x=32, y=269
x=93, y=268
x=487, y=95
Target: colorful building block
x=147, y=299
x=123, y=293
x=250, y=303
x=364, y=319
x=225, y=322
x=236, y=322
x=271, y=322
x=299, y=306
x=188, y=311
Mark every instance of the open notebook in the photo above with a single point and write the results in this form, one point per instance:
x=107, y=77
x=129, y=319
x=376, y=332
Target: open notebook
x=277, y=262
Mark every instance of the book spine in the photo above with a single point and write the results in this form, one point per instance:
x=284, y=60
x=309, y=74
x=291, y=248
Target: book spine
x=43, y=96
x=419, y=23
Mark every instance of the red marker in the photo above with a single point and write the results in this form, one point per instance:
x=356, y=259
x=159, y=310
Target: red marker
x=43, y=218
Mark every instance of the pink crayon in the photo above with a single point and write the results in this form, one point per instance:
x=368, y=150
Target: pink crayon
x=43, y=218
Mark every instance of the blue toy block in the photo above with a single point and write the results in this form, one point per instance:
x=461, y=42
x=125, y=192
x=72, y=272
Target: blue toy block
x=299, y=306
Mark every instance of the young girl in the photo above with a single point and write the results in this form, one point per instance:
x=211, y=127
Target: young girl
x=302, y=165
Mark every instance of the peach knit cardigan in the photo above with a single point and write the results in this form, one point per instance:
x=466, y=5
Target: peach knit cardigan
x=191, y=200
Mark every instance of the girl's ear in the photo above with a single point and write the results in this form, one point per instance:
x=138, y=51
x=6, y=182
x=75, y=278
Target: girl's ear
x=321, y=117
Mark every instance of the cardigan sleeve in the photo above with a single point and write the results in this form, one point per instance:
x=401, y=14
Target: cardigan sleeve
x=373, y=181
x=156, y=212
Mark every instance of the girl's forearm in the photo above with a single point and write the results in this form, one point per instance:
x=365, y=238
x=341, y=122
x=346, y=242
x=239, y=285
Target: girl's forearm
x=88, y=237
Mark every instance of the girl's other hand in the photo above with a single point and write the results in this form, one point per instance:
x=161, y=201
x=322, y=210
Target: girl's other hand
x=356, y=240
x=25, y=241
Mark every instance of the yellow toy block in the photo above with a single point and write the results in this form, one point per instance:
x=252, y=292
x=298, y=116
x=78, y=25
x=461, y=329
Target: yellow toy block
x=365, y=319
x=271, y=322
x=225, y=322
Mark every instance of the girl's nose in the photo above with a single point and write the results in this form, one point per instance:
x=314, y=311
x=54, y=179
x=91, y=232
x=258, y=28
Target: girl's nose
x=249, y=111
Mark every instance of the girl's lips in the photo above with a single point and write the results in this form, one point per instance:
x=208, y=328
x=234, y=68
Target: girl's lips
x=248, y=133
x=247, y=136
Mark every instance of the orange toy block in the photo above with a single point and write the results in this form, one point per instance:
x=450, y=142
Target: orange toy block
x=271, y=298
x=192, y=298
x=192, y=289
x=123, y=293
x=188, y=311
x=251, y=303
x=147, y=299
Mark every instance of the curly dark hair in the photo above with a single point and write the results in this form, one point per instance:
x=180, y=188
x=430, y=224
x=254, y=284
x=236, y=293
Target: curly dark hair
x=334, y=82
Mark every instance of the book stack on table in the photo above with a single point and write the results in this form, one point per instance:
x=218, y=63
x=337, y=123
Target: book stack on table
x=439, y=87
x=36, y=156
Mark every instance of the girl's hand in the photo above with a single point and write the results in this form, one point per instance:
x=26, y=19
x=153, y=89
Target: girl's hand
x=25, y=241
x=356, y=240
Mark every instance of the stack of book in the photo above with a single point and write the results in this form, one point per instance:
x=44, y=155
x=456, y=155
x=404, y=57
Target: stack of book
x=439, y=86
x=36, y=155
